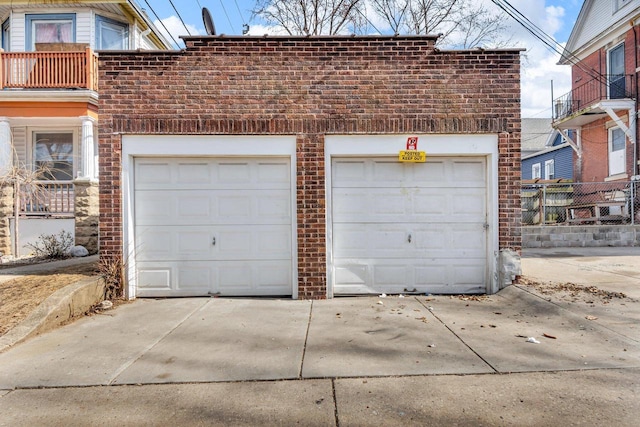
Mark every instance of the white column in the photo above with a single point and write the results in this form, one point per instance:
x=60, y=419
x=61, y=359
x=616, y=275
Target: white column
x=88, y=160
x=6, y=148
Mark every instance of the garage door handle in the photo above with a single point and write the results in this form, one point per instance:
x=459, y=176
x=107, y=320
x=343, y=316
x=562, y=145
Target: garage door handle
x=409, y=238
x=213, y=242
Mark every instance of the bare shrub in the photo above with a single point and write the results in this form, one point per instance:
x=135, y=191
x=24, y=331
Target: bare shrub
x=112, y=272
x=52, y=246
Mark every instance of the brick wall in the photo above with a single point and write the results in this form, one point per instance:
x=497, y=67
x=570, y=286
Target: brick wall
x=595, y=136
x=309, y=87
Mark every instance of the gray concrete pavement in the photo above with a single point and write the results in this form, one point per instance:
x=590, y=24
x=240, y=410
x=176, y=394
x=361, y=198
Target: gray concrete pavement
x=348, y=361
x=610, y=268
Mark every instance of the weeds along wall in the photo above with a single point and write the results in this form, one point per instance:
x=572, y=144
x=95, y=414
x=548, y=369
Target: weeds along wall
x=309, y=87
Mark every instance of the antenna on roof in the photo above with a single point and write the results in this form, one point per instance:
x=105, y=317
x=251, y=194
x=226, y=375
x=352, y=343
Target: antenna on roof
x=208, y=22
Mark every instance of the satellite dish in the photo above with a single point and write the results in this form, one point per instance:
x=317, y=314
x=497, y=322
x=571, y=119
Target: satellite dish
x=208, y=22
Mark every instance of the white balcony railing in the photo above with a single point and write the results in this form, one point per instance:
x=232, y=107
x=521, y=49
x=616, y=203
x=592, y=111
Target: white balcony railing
x=46, y=198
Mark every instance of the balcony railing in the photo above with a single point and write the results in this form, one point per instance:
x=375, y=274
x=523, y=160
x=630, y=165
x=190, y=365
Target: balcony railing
x=49, y=70
x=47, y=198
x=598, y=89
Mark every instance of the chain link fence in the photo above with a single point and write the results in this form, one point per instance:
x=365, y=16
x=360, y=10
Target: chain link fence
x=569, y=203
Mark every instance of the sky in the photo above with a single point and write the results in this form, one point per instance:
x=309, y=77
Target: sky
x=555, y=17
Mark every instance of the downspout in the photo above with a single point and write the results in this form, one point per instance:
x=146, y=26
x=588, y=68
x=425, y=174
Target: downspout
x=635, y=116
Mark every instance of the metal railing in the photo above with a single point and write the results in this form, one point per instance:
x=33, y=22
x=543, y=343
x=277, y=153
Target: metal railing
x=569, y=203
x=605, y=87
x=49, y=70
x=46, y=198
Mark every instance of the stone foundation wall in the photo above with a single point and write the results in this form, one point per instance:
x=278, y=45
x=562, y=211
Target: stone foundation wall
x=6, y=211
x=87, y=211
x=580, y=236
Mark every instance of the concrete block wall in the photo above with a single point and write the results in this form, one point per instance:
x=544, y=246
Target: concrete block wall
x=309, y=87
x=580, y=236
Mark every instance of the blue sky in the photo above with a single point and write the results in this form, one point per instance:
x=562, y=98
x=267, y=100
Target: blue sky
x=555, y=17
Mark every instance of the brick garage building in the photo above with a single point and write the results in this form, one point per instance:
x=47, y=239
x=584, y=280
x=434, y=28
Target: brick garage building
x=269, y=166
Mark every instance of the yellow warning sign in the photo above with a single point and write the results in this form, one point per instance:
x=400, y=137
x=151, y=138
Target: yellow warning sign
x=412, y=156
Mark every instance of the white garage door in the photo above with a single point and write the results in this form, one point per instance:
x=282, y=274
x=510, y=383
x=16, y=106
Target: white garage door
x=213, y=226
x=409, y=227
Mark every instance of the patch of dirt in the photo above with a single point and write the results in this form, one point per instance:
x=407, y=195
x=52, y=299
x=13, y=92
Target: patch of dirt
x=572, y=291
x=19, y=297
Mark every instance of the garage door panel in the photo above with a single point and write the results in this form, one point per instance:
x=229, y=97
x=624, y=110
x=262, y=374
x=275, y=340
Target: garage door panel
x=189, y=207
x=213, y=225
x=389, y=173
x=229, y=278
x=154, y=243
x=410, y=205
x=252, y=242
x=407, y=240
x=354, y=205
x=390, y=274
x=274, y=172
x=212, y=174
x=469, y=204
x=239, y=278
x=468, y=242
x=373, y=240
x=448, y=276
x=153, y=279
x=402, y=227
x=193, y=172
x=471, y=173
x=150, y=173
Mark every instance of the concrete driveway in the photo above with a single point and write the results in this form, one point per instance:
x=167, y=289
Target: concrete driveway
x=349, y=361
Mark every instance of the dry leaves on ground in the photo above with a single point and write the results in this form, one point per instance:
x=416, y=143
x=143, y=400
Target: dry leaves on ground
x=572, y=290
x=19, y=297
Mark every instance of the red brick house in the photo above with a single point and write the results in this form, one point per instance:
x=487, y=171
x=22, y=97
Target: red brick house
x=602, y=105
x=270, y=166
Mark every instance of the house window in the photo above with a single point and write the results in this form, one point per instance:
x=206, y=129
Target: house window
x=617, y=81
x=618, y=4
x=53, y=155
x=535, y=171
x=549, y=169
x=617, y=151
x=6, y=36
x=111, y=35
x=49, y=28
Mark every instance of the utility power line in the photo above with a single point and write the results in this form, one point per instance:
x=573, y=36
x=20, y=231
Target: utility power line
x=179, y=17
x=547, y=40
x=161, y=23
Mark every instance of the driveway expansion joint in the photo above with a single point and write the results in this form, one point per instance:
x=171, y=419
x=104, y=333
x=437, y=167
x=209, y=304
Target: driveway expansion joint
x=458, y=337
x=148, y=348
x=306, y=338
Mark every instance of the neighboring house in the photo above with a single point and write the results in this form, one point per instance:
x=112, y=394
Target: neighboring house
x=49, y=108
x=553, y=161
x=535, y=135
x=602, y=105
x=271, y=166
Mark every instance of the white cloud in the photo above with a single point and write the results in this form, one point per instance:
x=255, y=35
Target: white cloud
x=539, y=62
x=176, y=29
x=260, y=30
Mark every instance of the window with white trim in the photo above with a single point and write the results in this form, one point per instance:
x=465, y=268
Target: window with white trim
x=549, y=169
x=49, y=28
x=617, y=78
x=617, y=151
x=535, y=171
x=53, y=155
x=111, y=34
x=6, y=35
